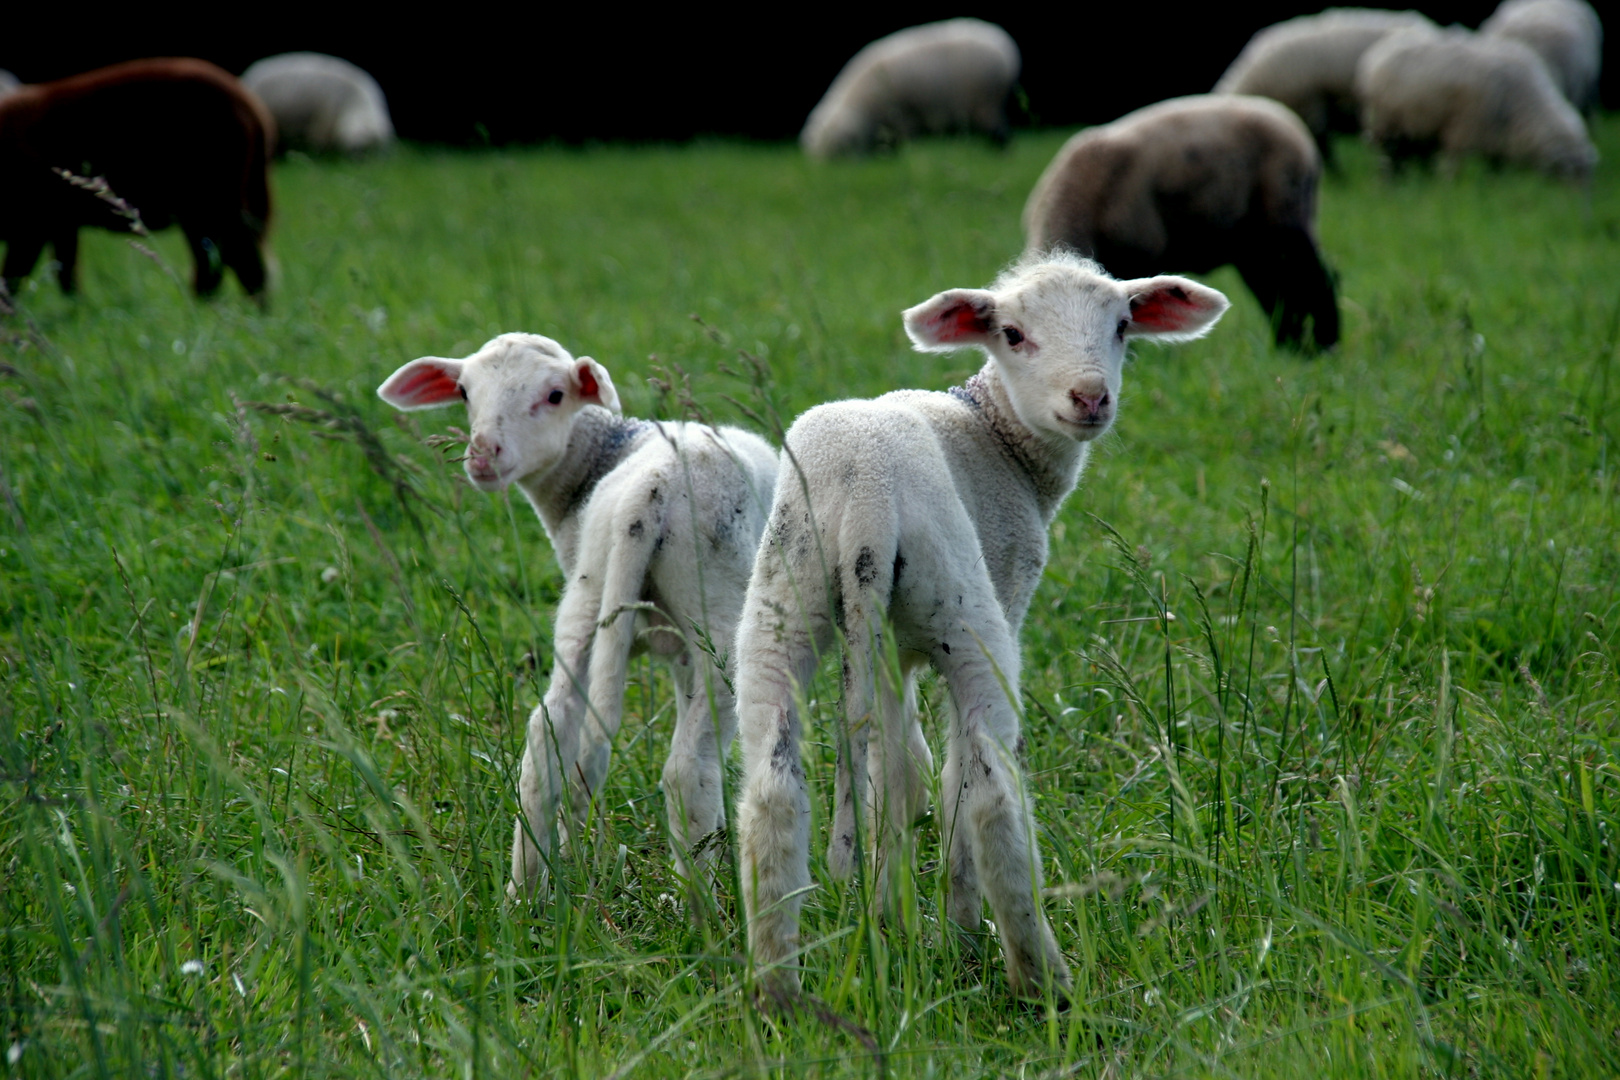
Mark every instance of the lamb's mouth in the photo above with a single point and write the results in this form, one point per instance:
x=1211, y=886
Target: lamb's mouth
x=1084, y=429
x=495, y=478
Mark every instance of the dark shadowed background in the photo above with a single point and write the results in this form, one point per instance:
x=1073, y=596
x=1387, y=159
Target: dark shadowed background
x=464, y=73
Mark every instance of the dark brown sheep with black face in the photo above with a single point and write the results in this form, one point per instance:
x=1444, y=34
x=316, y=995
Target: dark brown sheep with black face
x=1191, y=184
x=178, y=140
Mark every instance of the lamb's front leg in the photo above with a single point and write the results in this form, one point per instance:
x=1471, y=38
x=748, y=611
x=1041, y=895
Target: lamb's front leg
x=551, y=744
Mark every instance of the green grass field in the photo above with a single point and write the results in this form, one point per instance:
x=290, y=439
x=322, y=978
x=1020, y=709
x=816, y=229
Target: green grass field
x=1352, y=811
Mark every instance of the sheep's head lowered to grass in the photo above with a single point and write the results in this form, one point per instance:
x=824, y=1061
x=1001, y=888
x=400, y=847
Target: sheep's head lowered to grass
x=522, y=393
x=1057, y=325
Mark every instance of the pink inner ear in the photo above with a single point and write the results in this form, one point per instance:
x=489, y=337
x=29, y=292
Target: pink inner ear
x=1165, y=309
x=959, y=321
x=588, y=387
x=427, y=385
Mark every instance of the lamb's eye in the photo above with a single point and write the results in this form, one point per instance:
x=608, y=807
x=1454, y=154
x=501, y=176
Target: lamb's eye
x=555, y=397
x=462, y=390
x=1119, y=331
x=1013, y=335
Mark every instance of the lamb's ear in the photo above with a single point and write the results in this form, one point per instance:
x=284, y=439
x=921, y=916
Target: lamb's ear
x=955, y=319
x=427, y=383
x=593, y=384
x=1172, y=308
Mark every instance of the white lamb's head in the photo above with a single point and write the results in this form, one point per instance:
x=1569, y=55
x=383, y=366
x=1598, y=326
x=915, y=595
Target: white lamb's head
x=1056, y=325
x=523, y=393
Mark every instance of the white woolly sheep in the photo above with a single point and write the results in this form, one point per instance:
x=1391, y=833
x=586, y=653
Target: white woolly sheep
x=322, y=103
x=943, y=77
x=654, y=525
x=1309, y=64
x=1461, y=93
x=1191, y=184
x=929, y=513
x=1566, y=34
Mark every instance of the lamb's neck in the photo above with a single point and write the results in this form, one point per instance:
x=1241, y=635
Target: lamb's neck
x=1052, y=462
x=598, y=442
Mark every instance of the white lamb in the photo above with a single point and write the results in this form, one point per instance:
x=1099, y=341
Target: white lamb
x=1309, y=64
x=655, y=526
x=1463, y=93
x=322, y=103
x=929, y=512
x=1566, y=34
x=939, y=78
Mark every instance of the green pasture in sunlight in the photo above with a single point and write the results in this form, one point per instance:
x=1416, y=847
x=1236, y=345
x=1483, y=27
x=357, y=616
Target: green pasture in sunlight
x=1320, y=687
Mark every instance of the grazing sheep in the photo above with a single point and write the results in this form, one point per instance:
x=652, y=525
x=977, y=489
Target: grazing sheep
x=8, y=82
x=654, y=525
x=178, y=140
x=1309, y=64
x=1566, y=34
x=1194, y=183
x=929, y=513
x=1461, y=93
x=934, y=79
x=322, y=103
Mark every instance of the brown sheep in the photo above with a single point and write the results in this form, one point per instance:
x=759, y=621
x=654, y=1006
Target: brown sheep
x=178, y=140
x=1191, y=184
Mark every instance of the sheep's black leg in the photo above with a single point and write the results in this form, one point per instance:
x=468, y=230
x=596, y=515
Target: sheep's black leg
x=22, y=253
x=1286, y=274
x=240, y=250
x=205, y=254
x=66, y=246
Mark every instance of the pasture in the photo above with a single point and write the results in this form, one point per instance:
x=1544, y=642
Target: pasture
x=1321, y=688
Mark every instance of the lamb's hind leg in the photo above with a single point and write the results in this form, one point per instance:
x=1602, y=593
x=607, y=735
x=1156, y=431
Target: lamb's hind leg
x=899, y=767
x=776, y=655
x=849, y=772
x=705, y=724
x=989, y=808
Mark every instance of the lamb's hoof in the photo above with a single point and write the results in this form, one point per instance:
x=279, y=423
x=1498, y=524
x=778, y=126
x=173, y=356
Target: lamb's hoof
x=778, y=993
x=1028, y=986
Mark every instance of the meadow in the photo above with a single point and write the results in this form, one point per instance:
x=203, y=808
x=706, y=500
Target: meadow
x=1320, y=688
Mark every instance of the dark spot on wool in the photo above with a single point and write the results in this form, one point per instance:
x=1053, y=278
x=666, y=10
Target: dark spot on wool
x=865, y=568
x=945, y=648
x=899, y=565
x=783, y=758
x=637, y=528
